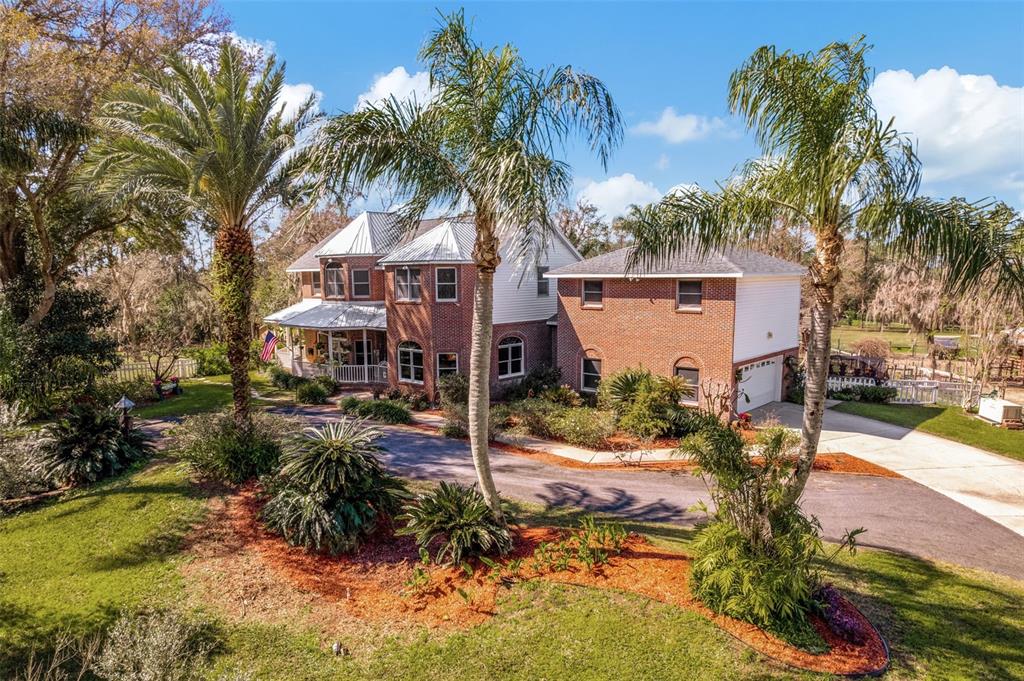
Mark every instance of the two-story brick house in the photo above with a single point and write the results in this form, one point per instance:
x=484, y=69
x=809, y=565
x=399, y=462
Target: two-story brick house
x=726, y=320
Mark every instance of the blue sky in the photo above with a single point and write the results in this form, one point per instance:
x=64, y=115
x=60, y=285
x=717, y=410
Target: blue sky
x=951, y=73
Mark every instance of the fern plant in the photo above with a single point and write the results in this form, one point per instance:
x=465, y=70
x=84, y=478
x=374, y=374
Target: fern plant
x=332, y=491
x=88, y=444
x=459, y=517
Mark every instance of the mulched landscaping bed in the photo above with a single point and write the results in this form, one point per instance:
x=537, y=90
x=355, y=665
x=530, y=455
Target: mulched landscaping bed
x=374, y=585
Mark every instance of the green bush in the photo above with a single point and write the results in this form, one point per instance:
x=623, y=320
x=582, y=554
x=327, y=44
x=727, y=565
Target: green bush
x=535, y=382
x=563, y=395
x=284, y=380
x=459, y=519
x=534, y=416
x=386, y=411
x=646, y=416
x=648, y=406
x=879, y=394
x=327, y=383
x=211, y=360
x=312, y=392
x=154, y=645
x=19, y=474
x=213, y=447
x=332, y=492
x=108, y=391
x=583, y=426
x=453, y=428
x=454, y=389
x=88, y=444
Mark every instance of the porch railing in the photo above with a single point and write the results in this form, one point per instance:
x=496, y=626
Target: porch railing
x=342, y=373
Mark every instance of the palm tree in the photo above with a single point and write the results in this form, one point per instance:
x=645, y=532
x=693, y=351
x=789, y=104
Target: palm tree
x=219, y=146
x=484, y=141
x=831, y=165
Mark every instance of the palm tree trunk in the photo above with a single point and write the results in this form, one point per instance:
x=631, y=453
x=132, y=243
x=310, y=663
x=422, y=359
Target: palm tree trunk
x=486, y=256
x=234, y=276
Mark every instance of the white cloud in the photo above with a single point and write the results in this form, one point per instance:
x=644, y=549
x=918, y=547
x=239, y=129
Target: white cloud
x=677, y=128
x=399, y=84
x=614, y=195
x=257, y=50
x=663, y=162
x=293, y=96
x=969, y=128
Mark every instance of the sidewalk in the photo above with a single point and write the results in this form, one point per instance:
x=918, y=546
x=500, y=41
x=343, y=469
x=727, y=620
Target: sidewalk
x=989, y=484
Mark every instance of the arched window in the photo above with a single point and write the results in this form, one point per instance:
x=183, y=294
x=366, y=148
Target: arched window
x=510, y=357
x=334, y=280
x=690, y=374
x=410, y=362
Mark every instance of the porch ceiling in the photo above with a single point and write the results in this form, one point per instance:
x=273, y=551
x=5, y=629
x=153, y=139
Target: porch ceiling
x=324, y=316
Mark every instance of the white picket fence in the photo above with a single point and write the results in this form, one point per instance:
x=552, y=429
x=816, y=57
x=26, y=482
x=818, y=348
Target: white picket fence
x=133, y=371
x=917, y=391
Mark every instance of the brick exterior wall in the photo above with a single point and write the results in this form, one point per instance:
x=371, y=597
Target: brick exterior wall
x=439, y=326
x=355, y=262
x=639, y=325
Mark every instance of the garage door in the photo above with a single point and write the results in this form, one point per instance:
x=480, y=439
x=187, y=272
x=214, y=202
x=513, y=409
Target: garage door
x=761, y=382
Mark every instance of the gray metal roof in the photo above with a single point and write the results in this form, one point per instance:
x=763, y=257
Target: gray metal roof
x=450, y=241
x=731, y=263
x=308, y=262
x=316, y=314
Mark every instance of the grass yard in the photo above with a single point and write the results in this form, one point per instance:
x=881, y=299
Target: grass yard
x=76, y=563
x=899, y=339
x=951, y=423
x=210, y=393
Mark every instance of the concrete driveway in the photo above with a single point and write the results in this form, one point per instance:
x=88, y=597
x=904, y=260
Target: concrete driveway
x=989, y=484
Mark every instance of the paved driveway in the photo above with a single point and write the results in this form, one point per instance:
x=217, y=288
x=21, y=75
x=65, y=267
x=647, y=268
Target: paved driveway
x=899, y=515
x=990, y=484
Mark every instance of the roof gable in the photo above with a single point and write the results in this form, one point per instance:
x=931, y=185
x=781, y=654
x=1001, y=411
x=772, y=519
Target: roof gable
x=450, y=241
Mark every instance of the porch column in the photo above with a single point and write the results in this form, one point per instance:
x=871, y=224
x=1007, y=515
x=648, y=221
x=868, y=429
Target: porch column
x=330, y=346
x=366, y=358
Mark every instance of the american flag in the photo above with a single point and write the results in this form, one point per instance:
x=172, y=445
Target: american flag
x=269, y=343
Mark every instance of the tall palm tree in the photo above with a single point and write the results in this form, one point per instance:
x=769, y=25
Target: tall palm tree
x=831, y=165
x=484, y=141
x=219, y=146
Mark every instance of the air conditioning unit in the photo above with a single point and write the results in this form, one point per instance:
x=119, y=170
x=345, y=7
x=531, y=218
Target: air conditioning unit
x=997, y=410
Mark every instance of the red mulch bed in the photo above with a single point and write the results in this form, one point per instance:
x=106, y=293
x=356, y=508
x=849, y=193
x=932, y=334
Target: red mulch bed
x=372, y=585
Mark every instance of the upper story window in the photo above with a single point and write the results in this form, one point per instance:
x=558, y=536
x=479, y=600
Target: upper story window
x=446, y=284
x=593, y=293
x=590, y=375
x=407, y=283
x=543, y=285
x=360, y=283
x=690, y=376
x=410, y=362
x=334, y=280
x=315, y=277
x=689, y=294
x=510, y=357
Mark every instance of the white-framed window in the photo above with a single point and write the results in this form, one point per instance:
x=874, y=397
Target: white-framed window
x=689, y=294
x=690, y=376
x=315, y=281
x=334, y=282
x=410, y=362
x=446, y=284
x=543, y=285
x=447, y=363
x=593, y=293
x=407, y=283
x=510, y=357
x=590, y=374
x=360, y=283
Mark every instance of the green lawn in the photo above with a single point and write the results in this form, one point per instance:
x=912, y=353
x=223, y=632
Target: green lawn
x=900, y=340
x=951, y=423
x=210, y=393
x=76, y=563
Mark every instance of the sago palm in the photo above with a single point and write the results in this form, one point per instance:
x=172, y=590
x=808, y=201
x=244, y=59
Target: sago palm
x=219, y=146
x=831, y=164
x=484, y=142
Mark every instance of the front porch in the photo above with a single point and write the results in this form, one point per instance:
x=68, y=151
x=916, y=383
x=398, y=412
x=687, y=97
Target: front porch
x=361, y=374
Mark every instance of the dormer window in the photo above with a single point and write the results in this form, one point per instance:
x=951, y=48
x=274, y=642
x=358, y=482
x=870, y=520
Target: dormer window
x=335, y=280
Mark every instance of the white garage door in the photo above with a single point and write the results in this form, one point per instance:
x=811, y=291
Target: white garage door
x=761, y=382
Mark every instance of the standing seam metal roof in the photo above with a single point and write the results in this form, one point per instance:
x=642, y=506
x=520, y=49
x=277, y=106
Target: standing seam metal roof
x=733, y=262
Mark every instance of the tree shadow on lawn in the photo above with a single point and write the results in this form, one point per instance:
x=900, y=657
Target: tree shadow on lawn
x=615, y=501
x=940, y=621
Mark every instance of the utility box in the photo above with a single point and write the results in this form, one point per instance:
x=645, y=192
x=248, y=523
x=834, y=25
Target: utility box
x=998, y=411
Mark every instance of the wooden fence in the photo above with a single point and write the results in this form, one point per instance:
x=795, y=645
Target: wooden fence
x=954, y=393
x=134, y=371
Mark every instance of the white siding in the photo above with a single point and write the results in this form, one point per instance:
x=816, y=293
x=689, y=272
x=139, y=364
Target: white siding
x=766, y=307
x=515, y=287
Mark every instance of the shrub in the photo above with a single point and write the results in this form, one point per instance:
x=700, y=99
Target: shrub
x=562, y=395
x=618, y=391
x=756, y=559
x=460, y=519
x=535, y=382
x=88, y=444
x=110, y=390
x=19, y=474
x=454, y=389
x=454, y=429
x=386, y=411
x=845, y=394
x=583, y=426
x=154, y=645
x=878, y=394
x=534, y=416
x=312, y=392
x=213, y=446
x=416, y=399
x=645, y=416
x=284, y=380
x=211, y=360
x=327, y=383
x=332, y=491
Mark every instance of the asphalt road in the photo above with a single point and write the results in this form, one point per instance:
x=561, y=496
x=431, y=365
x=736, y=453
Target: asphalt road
x=899, y=515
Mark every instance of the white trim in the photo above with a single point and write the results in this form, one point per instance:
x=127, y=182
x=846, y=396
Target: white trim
x=437, y=283
x=522, y=357
x=369, y=282
x=303, y=269
x=419, y=284
x=420, y=263
x=437, y=364
x=412, y=367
